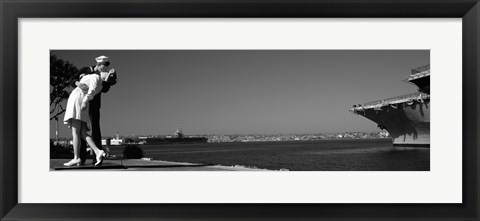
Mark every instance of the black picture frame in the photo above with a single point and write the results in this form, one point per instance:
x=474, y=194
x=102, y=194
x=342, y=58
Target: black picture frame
x=11, y=11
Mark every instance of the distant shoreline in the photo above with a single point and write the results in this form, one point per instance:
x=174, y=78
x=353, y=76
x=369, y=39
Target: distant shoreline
x=265, y=141
x=275, y=141
x=388, y=138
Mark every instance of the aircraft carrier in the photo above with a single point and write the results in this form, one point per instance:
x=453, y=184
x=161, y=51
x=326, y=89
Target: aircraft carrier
x=407, y=117
x=178, y=138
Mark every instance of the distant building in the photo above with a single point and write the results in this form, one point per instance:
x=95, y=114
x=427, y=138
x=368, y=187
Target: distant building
x=115, y=141
x=384, y=133
x=179, y=133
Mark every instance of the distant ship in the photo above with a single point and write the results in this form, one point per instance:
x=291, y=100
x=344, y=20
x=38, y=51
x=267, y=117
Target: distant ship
x=178, y=138
x=406, y=117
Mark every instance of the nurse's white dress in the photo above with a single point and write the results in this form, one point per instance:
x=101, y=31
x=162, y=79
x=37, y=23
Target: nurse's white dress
x=78, y=95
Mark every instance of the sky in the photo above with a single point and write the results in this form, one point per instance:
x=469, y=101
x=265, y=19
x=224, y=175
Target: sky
x=245, y=91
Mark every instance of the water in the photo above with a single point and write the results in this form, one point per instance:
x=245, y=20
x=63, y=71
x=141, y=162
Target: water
x=324, y=155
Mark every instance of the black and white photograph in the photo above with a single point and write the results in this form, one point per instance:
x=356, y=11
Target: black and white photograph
x=240, y=110
x=251, y=110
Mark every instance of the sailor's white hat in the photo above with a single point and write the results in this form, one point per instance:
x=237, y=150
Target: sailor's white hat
x=102, y=58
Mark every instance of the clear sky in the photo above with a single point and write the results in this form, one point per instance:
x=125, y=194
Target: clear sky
x=245, y=91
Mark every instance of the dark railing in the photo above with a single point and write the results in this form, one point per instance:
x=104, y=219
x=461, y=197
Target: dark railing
x=421, y=69
x=419, y=72
x=394, y=100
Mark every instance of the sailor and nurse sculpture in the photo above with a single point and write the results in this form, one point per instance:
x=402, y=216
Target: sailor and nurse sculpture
x=82, y=114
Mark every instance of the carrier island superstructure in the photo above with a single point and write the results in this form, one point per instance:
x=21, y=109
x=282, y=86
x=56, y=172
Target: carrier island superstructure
x=406, y=117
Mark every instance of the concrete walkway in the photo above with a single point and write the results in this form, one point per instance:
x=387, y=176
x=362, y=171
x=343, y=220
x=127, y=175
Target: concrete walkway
x=143, y=165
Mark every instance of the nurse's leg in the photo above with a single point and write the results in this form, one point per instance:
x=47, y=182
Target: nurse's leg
x=77, y=137
x=89, y=139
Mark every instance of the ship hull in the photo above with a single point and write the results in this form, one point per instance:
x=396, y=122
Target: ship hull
x=188, y=140
x=407, y=123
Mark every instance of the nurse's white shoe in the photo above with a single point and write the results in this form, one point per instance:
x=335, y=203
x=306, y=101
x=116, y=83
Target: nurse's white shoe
x=100, y=156
x=73, y=162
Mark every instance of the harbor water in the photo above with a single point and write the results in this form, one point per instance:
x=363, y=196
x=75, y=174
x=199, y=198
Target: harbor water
x=321, y=155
